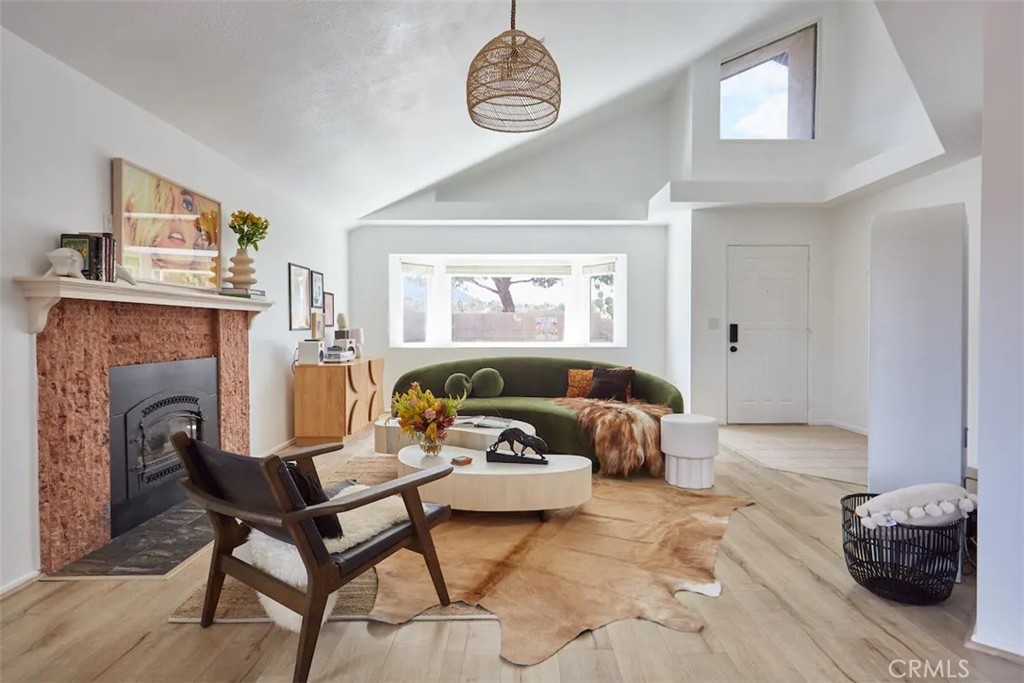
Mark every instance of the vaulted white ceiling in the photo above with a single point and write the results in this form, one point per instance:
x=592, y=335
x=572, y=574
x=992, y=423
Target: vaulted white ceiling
x=873, y=129
x=352, y=105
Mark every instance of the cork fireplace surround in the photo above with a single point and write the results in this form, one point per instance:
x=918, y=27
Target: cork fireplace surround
x=78, y=344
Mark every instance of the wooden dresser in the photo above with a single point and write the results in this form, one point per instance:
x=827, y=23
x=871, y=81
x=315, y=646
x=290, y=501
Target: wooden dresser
x=335, y=400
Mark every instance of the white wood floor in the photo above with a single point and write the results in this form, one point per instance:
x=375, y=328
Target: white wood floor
x=789, y=612
x=818, y=451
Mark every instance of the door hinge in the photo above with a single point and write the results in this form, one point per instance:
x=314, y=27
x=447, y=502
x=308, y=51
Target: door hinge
x=965, y=437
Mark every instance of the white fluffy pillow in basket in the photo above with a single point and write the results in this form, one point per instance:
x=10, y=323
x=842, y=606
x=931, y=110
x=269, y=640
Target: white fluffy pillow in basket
x=281, y=560
x=920, y=505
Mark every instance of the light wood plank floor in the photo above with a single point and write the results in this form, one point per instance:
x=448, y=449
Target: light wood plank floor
x=817, y=450
x=789, y=612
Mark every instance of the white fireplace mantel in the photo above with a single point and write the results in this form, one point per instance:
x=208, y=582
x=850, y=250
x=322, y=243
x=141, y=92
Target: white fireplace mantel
x=43, y=293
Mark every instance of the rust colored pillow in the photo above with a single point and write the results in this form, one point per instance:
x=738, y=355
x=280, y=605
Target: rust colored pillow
x=579, y=383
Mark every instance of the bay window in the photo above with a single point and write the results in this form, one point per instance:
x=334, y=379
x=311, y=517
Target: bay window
x=507, y=300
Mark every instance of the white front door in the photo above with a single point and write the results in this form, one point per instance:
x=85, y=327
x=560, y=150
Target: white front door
x=766, y=335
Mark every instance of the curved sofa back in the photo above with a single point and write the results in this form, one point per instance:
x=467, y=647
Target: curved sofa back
x=536, y=376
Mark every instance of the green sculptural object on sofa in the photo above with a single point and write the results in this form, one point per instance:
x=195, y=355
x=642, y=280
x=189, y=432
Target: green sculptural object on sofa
x=528, y=383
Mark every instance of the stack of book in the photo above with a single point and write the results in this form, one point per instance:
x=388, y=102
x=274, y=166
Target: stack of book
x=244, y=292
x=99, y=253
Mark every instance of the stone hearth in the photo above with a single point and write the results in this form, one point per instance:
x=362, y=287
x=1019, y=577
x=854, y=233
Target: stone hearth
x=81, y=341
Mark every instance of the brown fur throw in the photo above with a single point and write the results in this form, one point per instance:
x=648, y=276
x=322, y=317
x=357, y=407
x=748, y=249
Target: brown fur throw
x=626, y=436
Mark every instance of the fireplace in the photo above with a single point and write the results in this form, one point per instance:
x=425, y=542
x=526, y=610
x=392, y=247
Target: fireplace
x=149, y=403
x=83, y=339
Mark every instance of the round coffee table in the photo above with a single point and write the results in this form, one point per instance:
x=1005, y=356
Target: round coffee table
x=388, y=436
x=501, y=487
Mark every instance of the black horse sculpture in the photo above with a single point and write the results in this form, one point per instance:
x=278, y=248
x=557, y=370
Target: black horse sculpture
x=513, y=436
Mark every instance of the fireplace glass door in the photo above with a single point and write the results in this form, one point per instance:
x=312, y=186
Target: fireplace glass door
x=145, y=413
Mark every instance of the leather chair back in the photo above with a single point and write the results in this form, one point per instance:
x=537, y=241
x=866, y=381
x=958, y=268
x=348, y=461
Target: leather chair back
x=258, y=485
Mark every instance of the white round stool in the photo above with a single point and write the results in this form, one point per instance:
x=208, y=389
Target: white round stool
x=690, y=444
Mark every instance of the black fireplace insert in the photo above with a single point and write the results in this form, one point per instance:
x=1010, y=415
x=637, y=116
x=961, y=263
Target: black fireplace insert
x=149, y=403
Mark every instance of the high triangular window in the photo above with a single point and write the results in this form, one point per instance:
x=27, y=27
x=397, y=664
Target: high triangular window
x=769, y=93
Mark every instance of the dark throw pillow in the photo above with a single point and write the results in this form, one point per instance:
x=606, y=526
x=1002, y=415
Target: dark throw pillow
x=487, y=383
x=312, y=494
x=611, y=384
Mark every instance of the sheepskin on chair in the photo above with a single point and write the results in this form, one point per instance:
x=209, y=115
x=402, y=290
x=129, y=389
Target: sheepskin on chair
x=282, y=561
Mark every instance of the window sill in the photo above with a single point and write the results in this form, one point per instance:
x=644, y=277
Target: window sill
x=507, y=345
x=768, y=140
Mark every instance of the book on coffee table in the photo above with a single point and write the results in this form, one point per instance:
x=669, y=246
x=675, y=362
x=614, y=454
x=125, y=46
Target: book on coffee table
x=482, y=422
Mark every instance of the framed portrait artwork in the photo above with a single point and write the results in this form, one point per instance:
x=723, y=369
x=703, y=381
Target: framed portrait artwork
x=329, y=308
x=298, y=297
x=317, y=296
x=165, y=232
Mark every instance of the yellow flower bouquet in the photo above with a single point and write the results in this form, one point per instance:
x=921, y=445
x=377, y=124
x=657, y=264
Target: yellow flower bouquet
x=426, y=417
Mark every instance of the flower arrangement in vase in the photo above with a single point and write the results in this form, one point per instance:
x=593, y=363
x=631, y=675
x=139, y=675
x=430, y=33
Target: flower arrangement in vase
x=426, y=417
x=250, y=230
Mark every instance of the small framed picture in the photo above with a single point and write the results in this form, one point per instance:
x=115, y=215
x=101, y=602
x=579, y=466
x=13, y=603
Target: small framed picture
x=316, y=324
x=329, y=308
x=317, y=300
x=298, y=297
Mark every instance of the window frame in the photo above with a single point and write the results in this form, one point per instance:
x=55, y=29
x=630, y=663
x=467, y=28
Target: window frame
x=750, y=59
x=438, y=327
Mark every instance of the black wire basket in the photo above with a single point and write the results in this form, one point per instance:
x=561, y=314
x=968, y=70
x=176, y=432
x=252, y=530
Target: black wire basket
x=915, y=565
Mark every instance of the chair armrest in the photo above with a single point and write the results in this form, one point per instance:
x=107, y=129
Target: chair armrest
x=370, y=495
x=311, y=451
x=223, y=507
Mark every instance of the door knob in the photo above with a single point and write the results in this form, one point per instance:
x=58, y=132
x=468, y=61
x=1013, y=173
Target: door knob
x=733, y=349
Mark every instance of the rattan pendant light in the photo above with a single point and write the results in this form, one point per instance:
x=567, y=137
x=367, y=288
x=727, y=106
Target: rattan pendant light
x=513, y=84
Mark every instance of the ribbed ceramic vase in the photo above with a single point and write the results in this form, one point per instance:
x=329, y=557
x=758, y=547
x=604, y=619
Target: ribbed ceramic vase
x=241, y=270
x=215, y=272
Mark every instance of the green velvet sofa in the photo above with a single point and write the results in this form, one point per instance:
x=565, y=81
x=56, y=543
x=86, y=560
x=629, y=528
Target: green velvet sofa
x=529, y=382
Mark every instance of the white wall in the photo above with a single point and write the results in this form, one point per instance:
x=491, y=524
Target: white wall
x=918, y=347
x=59, y=131
x=851, y=240
x=644, y=246
x=680, y=131
x=880, y=109
x=616, y=156
x=870, y=122
x=713, y=231
x=679, y=302
x=1000, y=615
x=807, y=160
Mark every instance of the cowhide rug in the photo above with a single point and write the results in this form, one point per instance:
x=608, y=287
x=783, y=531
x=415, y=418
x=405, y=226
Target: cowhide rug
x=622, y=555
x=626, y=436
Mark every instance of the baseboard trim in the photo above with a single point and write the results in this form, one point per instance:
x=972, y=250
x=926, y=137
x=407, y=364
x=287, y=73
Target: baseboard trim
x=278, y=448
x=972, y=644
x=13, y=587
x=841, y=425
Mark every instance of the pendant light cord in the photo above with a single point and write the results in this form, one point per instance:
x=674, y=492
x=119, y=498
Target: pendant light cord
x=513, y=15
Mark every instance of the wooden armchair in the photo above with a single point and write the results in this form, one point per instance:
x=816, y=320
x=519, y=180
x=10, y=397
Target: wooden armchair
x=241, y=492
